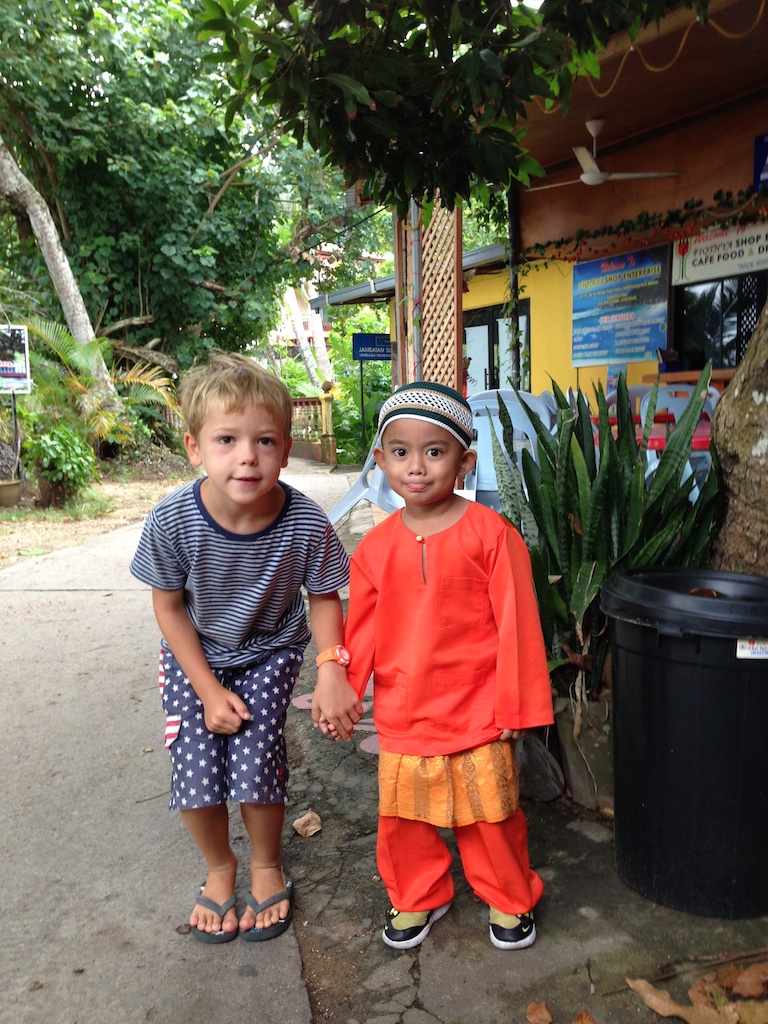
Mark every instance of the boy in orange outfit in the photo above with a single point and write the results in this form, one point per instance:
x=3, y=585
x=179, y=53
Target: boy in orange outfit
x=443, y=611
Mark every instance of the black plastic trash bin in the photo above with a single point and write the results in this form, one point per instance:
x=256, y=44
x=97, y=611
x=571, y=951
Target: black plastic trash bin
x=690, y=704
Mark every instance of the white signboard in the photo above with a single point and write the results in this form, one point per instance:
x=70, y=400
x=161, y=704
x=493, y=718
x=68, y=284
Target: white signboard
x=722, y=252
x=14, y=360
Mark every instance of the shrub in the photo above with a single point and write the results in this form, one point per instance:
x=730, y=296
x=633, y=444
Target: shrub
x=62, y=461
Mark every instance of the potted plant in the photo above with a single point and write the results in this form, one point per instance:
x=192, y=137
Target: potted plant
x=10, y=484
x=590, y=507
x=62, y=462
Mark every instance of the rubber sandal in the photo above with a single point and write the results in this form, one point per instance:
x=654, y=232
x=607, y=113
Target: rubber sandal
x=221, y=909
x=263, y=934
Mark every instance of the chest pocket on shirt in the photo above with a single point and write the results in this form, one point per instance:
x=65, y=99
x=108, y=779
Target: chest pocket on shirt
x=463, y=602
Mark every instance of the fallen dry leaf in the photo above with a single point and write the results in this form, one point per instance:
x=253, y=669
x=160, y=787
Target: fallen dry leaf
x=584, y=1018
x=752, y=1013
x=753, y=982
x=308, y=824
x=727, y=974
x=537, y=1013
x=706, y=992
x=662, y=1003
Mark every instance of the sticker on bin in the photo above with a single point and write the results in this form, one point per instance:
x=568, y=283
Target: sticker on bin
x=757, y=649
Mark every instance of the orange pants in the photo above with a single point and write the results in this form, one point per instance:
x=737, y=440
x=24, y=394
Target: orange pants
x=414, y=864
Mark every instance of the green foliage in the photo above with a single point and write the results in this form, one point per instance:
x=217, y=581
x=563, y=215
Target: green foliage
x=63, y=460
x=413, y=97
x=293, y=373
x=355, y=412
x=596, y=512
x=182, y=230
x=69, y=388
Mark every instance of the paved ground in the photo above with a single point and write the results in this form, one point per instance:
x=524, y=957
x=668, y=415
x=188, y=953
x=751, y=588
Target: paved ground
x=97, y=878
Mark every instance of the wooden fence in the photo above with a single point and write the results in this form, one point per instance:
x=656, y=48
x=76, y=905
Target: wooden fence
x=313, y=436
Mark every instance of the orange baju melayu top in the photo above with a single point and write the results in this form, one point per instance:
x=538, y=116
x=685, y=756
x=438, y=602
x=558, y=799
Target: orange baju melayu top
x=450, y=627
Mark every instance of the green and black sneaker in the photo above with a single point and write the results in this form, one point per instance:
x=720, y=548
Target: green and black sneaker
x=406, y=929
x=512, y=931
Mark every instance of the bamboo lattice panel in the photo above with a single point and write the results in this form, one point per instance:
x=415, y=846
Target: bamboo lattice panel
x=441, y=297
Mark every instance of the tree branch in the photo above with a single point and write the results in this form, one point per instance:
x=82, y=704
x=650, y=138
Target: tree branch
x=145, y=354
x=131, y=321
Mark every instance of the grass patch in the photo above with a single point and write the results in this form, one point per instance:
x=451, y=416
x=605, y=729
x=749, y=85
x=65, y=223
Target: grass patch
x=88, y=505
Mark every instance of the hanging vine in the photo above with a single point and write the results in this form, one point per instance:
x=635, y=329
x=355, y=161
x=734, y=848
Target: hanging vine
x=646, y=229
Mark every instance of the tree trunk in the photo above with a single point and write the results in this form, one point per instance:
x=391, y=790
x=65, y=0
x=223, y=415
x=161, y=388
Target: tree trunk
x=740, y=434
x=302, y=341
x=318, y=335
x=23, y=198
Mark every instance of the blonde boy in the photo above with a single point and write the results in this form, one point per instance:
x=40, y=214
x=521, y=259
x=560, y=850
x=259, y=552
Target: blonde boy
x=227, y=557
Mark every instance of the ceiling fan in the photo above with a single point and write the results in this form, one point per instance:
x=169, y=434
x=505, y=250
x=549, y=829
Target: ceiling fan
x=590, y=171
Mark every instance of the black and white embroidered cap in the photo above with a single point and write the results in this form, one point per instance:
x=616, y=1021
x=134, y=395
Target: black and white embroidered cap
x=436, y=403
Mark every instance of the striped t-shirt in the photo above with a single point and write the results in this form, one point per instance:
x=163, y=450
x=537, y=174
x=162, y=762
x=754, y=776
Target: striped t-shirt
x=243, y=592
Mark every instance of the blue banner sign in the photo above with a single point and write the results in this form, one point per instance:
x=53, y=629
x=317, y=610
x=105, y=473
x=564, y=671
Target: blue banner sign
x=620, y=308
x=372, y=347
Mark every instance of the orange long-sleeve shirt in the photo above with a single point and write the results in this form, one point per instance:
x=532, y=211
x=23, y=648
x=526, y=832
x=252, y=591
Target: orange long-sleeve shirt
x=450, y=627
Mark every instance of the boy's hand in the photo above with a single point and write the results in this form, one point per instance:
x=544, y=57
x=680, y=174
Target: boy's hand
x=225, y=712
x=336, y=708
x=510, y=734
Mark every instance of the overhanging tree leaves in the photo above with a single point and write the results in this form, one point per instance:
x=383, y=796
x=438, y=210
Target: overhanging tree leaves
x=414, y=97
x=182, y=233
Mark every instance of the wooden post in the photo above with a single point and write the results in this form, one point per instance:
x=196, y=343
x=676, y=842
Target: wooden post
x=328, y=453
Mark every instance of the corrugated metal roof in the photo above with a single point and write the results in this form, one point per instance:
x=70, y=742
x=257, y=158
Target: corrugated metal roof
x=382, y=289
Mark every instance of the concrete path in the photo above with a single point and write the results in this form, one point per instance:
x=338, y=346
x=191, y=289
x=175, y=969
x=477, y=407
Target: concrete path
x=97, y=878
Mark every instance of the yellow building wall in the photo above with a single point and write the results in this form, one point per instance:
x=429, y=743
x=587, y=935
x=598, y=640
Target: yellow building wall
x=487, y=289
x=548, y=286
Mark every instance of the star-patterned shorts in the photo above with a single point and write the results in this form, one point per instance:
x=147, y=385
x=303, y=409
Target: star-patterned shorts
x=250, y=767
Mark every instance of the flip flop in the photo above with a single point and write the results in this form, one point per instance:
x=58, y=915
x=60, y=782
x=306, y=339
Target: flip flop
x=262, y=934
x=218, y=908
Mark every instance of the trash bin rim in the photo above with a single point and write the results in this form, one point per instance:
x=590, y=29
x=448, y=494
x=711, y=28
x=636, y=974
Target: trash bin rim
x=641, y=596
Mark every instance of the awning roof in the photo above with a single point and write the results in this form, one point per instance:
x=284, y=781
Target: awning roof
x=382, y=289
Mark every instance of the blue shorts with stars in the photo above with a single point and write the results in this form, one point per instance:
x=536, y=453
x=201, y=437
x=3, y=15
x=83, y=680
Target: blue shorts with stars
x=250, y=767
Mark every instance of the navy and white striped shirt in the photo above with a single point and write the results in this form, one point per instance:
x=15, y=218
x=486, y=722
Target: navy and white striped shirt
x=243, y=592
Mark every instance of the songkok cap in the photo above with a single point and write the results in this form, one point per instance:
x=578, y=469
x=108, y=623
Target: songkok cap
x=436, y=403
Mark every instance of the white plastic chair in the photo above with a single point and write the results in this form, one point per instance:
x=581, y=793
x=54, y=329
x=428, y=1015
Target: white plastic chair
x=674, y=398
x=370, y=486
x=544, y=409
x=549, y=400
x=481, y=483
x=637, y=393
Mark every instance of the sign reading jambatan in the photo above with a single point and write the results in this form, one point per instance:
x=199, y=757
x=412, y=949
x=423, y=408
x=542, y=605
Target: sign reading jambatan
x=620, y=307
x=722, y=252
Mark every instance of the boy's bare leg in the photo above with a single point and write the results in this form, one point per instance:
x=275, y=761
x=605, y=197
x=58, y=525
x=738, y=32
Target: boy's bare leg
x=264, y=824
x=209, y=827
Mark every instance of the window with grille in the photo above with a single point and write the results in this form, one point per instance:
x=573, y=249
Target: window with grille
x=716, y=319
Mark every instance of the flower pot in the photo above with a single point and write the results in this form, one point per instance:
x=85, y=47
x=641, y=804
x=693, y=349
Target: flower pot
x=10, y=493
x=584, y=732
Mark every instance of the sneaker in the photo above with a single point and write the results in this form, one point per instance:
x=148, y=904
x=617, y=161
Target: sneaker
x=405, y=930
x=510, y=931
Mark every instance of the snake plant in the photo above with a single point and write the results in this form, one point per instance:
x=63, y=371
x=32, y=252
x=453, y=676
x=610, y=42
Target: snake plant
x=595, y=502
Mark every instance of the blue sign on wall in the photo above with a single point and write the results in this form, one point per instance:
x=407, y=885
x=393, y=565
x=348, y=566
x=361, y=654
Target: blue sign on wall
x=620, y=306
x=372, y=347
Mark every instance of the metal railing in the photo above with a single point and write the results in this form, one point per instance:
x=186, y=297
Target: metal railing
x=313, y=436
